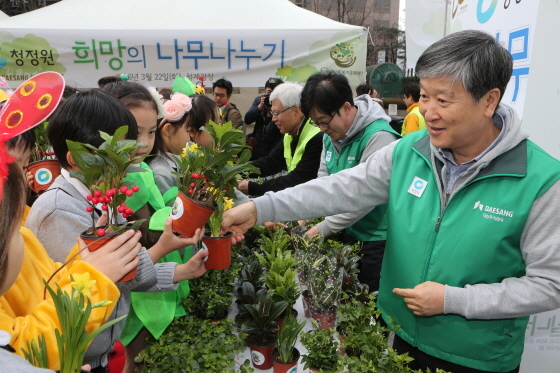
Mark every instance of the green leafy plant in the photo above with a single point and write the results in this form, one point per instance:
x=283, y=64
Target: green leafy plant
x=73, y=313
x=246, y=294
x=209, y=174
x=193, y=345
x=283, y=287
x=262, y=327
x=324, y=284
x=102, y=171
x=321, y=348
x=287, y=338
x=42, y=149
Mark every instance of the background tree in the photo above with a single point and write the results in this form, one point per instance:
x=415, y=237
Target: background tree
x=15, y=7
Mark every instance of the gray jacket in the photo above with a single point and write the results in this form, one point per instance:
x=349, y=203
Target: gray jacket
x=57, y=218
x=368, y=112
x=367, y=185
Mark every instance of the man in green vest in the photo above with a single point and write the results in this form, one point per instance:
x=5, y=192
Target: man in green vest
x=356, y=129
x=473, y=229
x=298, y=154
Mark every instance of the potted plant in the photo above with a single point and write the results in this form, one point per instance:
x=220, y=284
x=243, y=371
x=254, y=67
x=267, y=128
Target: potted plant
x=324, y=285
x=44, y=167
x=261, y=329
x=207, y=184
x=322, y=354
x=102, y=171
x=193, y=345
x=285, y=356
x=283, y=287
x=246, y=294
x=73, y=311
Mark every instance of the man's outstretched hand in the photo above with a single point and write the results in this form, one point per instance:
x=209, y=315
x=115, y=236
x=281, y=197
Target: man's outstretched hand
x=239, y=219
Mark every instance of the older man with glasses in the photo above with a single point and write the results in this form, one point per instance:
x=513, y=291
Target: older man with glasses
x=300, y=151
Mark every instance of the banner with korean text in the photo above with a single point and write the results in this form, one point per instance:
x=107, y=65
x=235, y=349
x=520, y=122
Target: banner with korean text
x=155, y=57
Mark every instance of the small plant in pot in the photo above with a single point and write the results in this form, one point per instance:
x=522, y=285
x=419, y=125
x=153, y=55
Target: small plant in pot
x=283, y=287
x=102, y=171
x=207, y=183
x=44, y=166
x=246, y=294
x=285, y=356
x=261, y=329
x=322, y=354
x=324, y=285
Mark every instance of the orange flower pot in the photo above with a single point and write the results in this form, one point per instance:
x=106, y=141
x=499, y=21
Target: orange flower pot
x=279, y=367
x=95, y=243
x=44, y=173
x=219, y=256
x=189, y=215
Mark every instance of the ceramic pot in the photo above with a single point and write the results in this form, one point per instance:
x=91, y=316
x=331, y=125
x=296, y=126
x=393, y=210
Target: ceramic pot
x=44, y=173
x=219, y=248
x=95, y=243
x=189, y=215
x=279, y=367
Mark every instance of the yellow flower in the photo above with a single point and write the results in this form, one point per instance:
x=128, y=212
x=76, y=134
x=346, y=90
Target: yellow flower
x=82, y=283
x=213, y=190
x=193, y=148
x=228, y=203
x=103, y=303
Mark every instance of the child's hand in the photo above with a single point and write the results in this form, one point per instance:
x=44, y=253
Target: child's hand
x=30, y=179
x=193, y=268
x=116, y=258
x=169, y=242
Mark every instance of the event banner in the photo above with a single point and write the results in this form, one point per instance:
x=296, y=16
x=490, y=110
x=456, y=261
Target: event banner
x=155, y=57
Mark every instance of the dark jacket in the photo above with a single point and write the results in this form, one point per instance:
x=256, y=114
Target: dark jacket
x=265, y=132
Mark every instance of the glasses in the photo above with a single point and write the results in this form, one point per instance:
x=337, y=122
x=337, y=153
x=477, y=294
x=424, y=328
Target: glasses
x=277, y=113
x=325, y=125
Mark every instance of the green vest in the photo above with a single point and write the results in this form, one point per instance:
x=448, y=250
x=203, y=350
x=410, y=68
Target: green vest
x=306, y=134
x=475, y=240
x=421, y=120
x=373, y=226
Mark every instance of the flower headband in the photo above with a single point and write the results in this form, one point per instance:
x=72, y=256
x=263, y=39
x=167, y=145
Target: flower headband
x=176, y=107
x=31, y=103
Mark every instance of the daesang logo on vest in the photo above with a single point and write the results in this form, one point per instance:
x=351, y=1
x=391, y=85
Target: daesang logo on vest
x=493, y=213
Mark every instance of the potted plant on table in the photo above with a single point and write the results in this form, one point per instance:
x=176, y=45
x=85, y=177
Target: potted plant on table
x=285, y=356
x=324, y=285
x=261, y=329
x=44, y=167
x=322, y=354
x=207, y=184
x=102, y=171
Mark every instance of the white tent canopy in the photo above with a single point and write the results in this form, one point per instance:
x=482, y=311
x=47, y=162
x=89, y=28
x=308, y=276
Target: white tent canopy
x=245, y=41
x=3, y=15
x=174, y=15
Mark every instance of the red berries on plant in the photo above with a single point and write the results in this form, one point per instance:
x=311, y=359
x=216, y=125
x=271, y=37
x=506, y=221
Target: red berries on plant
x=95, y=200
x=110, y=193
x=190, y=191
x=89, y=197
x=121, y=209
x=104, y=207
x=129, y=211
x=123, y=189
x=195, y=176
x=129, y=193
x=101, y=232
x=89, y=209
x=135, y=188
x=192, y=185
x=97, y=193
x=125, y=216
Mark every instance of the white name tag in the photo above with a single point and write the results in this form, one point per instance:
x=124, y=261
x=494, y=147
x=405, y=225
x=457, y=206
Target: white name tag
x=417, y=187
x=328, y=156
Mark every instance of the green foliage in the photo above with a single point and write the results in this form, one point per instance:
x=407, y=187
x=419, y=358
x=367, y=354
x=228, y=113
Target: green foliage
x=42, y=149
x=247, y=294
x=321, y=348
x=193, y=345
x=36, y=352
x=264, y=313
x=287, y=337
x=283, y=287
x=324, y=283
x=104, y=168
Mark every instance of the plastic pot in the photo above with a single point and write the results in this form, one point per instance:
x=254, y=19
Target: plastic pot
x=189, y=215
x=326, y=320
x=219, y=256
x=95, y=243
x=44, y=173
x=289, y=367
x=261, y=356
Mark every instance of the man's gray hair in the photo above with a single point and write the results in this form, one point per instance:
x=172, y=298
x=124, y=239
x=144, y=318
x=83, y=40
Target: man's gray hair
x=289, y=94
x=471, y=57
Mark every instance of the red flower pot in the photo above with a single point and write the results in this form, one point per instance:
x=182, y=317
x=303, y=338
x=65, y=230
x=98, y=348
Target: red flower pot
x=341, y=340
x=279, y=367
x=44, y=173
x=219, y=256
x=95, y=243
x=261, y=356
x=189, y=215
x=326, y=320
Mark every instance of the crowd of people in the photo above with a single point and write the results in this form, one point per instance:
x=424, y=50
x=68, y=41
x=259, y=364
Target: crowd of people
x=456, y=282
